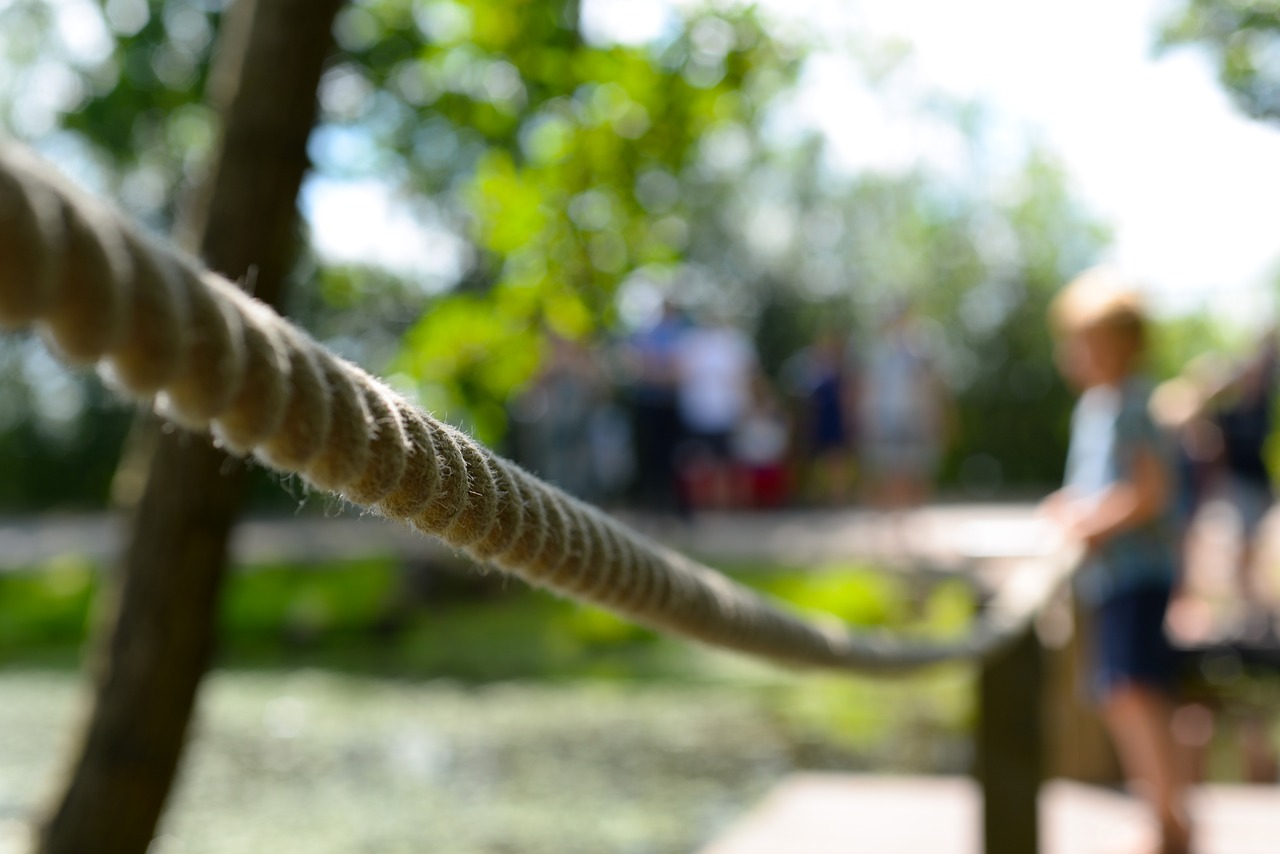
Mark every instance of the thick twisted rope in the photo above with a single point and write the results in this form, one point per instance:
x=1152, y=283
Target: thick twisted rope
x=209, y=357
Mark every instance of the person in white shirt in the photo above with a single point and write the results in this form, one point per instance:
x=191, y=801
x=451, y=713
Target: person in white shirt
x=715, y=366
x=903, y=415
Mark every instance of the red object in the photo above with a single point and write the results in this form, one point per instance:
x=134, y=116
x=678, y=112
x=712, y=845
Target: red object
x=748, y=487
x=768, y=486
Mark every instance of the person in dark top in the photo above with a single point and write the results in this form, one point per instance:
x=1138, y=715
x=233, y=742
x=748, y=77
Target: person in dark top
x=1245, y=419
x=1181, y=406
x=656, y=421
x=820, y=380
x=1221, y=453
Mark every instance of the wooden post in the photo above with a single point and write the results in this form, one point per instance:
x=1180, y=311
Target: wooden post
x=1010, y=749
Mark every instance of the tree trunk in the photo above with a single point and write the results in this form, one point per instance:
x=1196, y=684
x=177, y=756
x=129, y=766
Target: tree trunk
x=159, y=610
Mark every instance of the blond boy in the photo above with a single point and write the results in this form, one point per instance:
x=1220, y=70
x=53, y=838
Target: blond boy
x=1117, y=501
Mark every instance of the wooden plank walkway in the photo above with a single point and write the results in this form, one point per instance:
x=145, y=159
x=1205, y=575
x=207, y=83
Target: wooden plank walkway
x=870, y=814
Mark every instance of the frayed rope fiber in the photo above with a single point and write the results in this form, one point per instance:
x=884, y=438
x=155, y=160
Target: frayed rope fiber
x=211, y=358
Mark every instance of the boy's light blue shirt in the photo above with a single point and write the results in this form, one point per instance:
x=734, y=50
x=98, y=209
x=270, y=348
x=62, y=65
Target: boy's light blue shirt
x=1109, y=427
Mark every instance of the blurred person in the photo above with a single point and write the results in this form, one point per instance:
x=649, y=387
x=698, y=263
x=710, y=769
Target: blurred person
x=1244, y=416
x=554, y=415
x=759, y=447
x=902, y=410
x=612, y=450
x=1245, y=420
x=1117, y=502
x=1226, y=440
x=822, y=382
x=1179, y=407
x=656, y=425
x=1182, y=407
x=715, y=367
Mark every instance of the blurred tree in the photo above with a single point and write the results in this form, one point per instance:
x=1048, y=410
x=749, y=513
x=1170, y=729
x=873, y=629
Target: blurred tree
x=574, y=173
x=1177, y=341
x=568, y=164
x=1012, y=408
x=113, y=91
x=157, y=631
x=979, y=258
x=50, y=454
x=1243, y=38
x=116, y=90
x=564, y=164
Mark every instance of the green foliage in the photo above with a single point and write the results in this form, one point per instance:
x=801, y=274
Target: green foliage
x=48, y=606
x=601, y=628
x=949, y=609
x=979, y=264
x=129, y=94
x=470, y=350
x=570, y=164
x=555, y=157
x=1010, y=406
x=334, y=616
x=305, y=603
x=1243, y=38
x=354, y=614
x=859, y=596
x=153, y=116
x=891, y=724
x=50, y=454
x=45, y=608
x=864, y=597
x=576, y=172
x=1173, y=342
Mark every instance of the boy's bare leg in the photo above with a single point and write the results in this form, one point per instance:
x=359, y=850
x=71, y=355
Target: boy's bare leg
x=1138, y=719
x=1193, y=729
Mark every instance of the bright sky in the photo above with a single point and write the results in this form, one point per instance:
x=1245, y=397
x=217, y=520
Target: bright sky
x=361, y=221
x=1153, y=145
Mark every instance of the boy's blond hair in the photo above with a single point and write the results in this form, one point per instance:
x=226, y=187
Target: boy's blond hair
x=1100, y=298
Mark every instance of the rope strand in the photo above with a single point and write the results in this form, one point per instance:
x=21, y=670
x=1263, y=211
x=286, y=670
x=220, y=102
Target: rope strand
x=211, y=357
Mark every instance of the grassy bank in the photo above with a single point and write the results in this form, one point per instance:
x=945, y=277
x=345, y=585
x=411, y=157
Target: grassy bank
x=365, y=707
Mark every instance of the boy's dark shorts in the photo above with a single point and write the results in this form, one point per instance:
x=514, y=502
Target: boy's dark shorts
x=1129, y=643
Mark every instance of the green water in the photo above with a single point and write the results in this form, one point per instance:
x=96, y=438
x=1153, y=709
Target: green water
x=344, y=718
